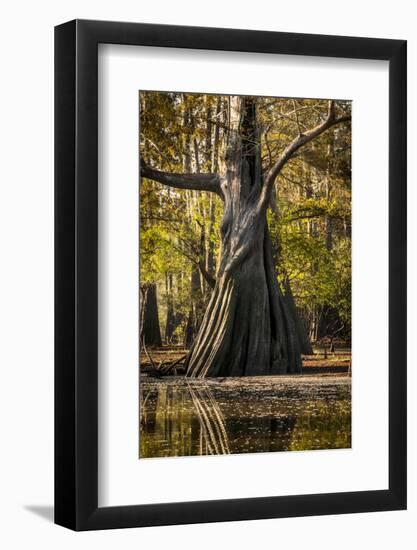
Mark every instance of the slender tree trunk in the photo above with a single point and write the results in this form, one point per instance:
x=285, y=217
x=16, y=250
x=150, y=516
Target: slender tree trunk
x=330, y=316
x=150, y=329
x=172, y=317
x=194, y=314
x=214, y=167
x=328, y=192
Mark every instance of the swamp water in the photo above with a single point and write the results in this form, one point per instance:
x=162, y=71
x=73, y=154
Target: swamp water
x=187, y=417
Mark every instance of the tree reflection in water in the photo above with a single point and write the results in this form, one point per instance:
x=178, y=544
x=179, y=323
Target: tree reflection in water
x=180, y=417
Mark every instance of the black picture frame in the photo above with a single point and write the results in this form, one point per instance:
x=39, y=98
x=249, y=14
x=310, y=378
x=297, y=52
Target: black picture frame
x=76, y=272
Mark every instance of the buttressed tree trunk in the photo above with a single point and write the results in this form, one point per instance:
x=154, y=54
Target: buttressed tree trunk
x=247, y=329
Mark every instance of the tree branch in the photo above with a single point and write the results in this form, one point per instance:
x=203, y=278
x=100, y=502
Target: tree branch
x=296, y=143
x=210, y=280
x=196, y=182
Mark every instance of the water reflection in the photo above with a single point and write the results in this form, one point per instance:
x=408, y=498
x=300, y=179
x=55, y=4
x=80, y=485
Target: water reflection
x=179, y=417
x=213, y=435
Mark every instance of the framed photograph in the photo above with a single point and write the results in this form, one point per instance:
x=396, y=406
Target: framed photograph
x=230, y=253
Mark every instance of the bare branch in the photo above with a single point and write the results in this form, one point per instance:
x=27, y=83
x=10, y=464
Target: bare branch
x=210, y=280
x=196, y=182
x=296, y=143
x=168, y=160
